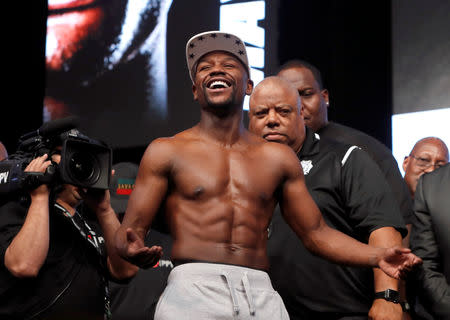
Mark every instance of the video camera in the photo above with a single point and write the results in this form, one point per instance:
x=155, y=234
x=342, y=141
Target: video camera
x=85, y=162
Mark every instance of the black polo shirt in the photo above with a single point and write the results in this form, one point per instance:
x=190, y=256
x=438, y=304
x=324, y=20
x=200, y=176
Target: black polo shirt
x=69, y=284
x=382, y=156
x=354, y=198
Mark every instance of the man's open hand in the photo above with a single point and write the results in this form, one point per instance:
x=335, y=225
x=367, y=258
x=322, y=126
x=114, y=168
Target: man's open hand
x=397, y=262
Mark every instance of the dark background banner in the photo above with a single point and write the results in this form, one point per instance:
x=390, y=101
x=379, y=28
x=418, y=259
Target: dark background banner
x=351, y=42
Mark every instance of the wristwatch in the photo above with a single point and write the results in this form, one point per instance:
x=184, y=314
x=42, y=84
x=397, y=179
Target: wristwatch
x=388, y=295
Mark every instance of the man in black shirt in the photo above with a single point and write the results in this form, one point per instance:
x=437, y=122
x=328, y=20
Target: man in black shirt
x=55, y=249
x=353, y=197
x=427, y=155
x=307, y=79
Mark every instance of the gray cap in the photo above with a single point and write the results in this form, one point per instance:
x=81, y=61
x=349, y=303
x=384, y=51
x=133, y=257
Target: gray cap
x=210, y=41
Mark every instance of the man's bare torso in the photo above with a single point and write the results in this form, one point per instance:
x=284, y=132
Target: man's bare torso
x=220, y=199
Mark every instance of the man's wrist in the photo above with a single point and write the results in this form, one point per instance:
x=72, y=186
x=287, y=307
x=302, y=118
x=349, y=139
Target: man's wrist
x=378, y=257
x=388, y=295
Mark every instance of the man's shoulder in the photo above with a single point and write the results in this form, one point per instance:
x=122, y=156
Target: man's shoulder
x=170, y=143
x=280, y=156
x=274, y=149
x=328, y=144
x=351, y=133
x=354, y=136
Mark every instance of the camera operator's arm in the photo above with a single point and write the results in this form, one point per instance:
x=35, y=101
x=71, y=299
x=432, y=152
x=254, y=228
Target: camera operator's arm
x=28, y=250
x=99, y=202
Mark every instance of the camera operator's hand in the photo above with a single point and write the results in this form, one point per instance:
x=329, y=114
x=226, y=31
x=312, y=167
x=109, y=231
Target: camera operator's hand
x=28, y=250
x=39, y=164
x=98, y=201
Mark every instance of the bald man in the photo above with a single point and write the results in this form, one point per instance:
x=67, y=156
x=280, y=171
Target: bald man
x=3, y=152
x=427, y=155
x=354, y=198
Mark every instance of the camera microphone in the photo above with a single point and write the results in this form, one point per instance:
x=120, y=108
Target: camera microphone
x=53, y=127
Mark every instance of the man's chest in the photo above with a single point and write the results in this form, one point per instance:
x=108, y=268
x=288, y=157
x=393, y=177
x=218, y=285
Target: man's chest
x=226, y=172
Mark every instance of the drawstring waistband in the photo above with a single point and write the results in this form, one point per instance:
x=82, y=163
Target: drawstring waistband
x=235, y=279
x=247, y=290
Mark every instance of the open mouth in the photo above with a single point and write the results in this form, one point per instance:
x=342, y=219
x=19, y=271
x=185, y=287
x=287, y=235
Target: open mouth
x=218, y=84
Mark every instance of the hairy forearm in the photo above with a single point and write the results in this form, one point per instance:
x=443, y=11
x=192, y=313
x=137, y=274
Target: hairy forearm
x=28, y=250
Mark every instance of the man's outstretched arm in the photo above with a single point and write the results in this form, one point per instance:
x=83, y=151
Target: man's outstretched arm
x=304, y=217
x=150, y=189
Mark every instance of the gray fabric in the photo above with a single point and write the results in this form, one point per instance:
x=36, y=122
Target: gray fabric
x=217, y=291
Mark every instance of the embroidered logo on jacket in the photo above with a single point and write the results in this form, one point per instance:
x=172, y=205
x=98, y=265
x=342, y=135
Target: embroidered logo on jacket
x=307, y=166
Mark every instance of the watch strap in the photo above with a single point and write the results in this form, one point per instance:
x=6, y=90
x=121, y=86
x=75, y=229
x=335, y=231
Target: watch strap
x=388, y=295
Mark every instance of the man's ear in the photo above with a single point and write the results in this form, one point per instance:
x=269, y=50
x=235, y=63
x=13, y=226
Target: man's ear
x=325, y=96
x=194, y=91
x=405, y=163
x=249, y=89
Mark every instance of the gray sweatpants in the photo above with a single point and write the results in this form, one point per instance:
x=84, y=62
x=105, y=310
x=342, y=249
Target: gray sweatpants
x=218, y=291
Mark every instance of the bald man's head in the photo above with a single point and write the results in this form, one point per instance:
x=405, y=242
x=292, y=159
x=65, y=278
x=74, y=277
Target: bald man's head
x=275, y=112
x=3, y=152
x=427, y=154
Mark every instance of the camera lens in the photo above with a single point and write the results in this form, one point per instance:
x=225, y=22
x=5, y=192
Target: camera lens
x=84, y=168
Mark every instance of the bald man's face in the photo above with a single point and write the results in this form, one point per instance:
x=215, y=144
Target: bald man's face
x=425, y=157
x=314, y=100
x=275, y=114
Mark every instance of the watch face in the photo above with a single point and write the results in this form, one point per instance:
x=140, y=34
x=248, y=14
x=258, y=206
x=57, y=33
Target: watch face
x=392, y=295
x=388, y=295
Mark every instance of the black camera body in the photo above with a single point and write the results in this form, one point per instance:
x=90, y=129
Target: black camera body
x=85, y=162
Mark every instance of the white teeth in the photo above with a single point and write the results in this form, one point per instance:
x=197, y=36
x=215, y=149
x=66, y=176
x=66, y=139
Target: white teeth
x=218, y=84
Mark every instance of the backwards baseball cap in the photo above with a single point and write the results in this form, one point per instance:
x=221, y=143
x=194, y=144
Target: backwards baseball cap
x=210, y=41
x=122, y=184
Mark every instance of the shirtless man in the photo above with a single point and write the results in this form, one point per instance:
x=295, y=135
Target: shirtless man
x=218, y=185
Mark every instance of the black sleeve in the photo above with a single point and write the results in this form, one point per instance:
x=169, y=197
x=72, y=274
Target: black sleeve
x=434, y=289
x=369, y=200
x=399, y=188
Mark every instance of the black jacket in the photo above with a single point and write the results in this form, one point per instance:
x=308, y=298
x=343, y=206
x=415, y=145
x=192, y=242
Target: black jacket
x=430, y=240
